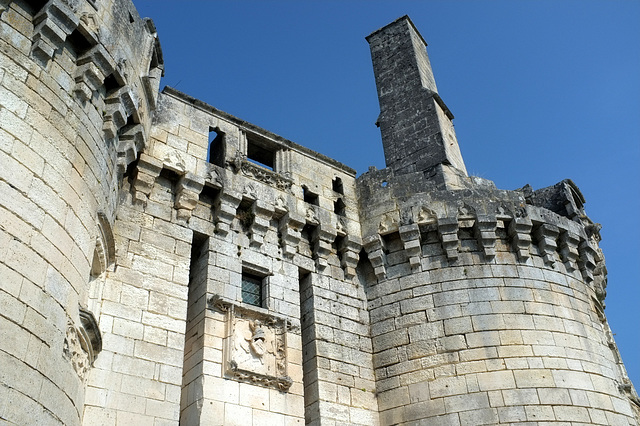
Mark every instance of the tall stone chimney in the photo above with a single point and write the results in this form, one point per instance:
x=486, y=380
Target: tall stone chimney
x=416, y=127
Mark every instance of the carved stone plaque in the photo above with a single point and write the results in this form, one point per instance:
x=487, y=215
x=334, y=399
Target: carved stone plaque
x=255, y=347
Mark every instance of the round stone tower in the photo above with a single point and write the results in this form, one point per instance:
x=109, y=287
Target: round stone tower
x=78, y=83
x=486, y=305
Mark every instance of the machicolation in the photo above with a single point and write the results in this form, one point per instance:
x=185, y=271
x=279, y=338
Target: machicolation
x=164, y=262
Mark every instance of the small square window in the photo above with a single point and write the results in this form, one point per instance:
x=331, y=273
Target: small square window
x=251, y=289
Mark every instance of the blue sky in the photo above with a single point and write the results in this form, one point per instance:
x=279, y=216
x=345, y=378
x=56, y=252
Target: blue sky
x=541, y=91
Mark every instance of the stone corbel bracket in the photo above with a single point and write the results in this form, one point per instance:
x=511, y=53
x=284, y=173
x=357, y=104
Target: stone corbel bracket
x=448, y=232
x=485, y=229
x=322, y=240
x=93, y=67
x=290, y=226
x=569, y=249
x=188, y=192
x=374, y=246
x=586, y=260
x=546, y=236
x=350, y=254
x=225, y=208
x=149, y=169
x=410, y=236
x=262, y=214
x=52, y=25
x=131, y=141
x=520, y=233
x=119, y=105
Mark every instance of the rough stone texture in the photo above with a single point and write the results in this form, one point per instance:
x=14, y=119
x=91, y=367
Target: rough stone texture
x=130, y=219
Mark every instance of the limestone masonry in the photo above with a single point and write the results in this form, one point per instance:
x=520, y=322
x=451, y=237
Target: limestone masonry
x=163, y=262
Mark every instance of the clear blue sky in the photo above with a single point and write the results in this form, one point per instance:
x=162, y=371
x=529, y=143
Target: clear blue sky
x=541, y=91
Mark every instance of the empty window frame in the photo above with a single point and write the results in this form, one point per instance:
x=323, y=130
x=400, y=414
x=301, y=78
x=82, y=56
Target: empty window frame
x=309, y=197
x=260, y=154
x=216, y=149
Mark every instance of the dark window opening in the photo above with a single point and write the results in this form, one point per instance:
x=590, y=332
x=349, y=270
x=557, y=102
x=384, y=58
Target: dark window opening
x=79, y=42
x=306, y=240
x=209, y=195
x=216, y=150
x=260, y=155
x=131, y=20
x=339, y=207
x=252, y=289
x=309, y=197
x=337, y=185
x=244, y=214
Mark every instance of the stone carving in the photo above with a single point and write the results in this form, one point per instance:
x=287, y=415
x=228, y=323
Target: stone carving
x=72, y=350
x=263, y=175
x=255, y=349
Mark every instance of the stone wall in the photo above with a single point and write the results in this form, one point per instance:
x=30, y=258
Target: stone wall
x=71, y=102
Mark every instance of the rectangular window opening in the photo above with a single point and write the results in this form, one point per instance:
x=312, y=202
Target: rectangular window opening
x=216, y=148
x=339, y=207
x=309, y=197
x=252, y=289
x=260, y=155
x=337, y=186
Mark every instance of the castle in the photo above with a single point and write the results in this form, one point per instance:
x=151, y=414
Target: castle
x=164, y=262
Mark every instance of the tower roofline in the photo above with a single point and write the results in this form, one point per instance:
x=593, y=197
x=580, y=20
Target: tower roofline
x=405, y=18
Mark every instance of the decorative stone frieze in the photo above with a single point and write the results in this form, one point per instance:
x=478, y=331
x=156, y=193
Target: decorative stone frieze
x=263, y=175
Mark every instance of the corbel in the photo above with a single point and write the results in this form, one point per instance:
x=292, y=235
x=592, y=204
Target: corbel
x=520, y=233
x=448, y=232
x=569, y=249
x=586, y=260
x=485, y=230
x=290, y=226
x=547, y=235
x=149, y=169
x=188, y=191
x=225, y=208
x=52, y=25
x=262, y=213
x=374, y=246
x=410, y=236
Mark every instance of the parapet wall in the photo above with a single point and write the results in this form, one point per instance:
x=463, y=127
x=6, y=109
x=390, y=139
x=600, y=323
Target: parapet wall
x=78, y=82
x=486, y=308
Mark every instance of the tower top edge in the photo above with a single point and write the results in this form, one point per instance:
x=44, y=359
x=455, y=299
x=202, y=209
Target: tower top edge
x=404, y=18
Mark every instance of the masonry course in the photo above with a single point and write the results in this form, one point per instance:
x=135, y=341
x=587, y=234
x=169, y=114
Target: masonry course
x=164, y=262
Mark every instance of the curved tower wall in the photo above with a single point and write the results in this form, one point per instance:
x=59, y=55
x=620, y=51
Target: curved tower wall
x=486, y=306
x=78, y=81
x=485, y=310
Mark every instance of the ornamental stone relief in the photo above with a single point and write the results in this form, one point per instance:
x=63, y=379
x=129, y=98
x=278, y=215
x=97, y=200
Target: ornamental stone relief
x=255, y=348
